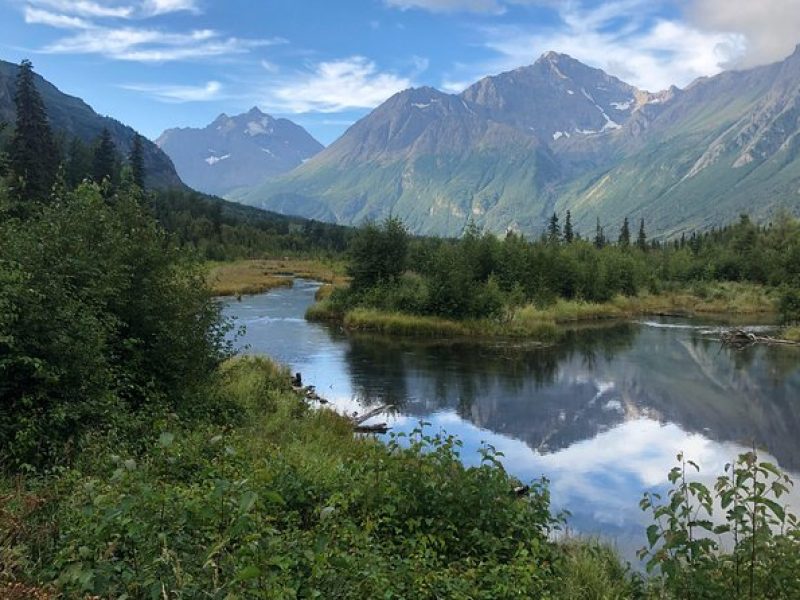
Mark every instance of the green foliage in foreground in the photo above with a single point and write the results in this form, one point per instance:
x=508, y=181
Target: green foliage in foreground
x=102, y=318
x=746, y=512
x=282, y=501
x=288, y=504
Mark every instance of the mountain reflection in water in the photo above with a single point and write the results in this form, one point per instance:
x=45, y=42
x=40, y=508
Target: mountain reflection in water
x=602, y=414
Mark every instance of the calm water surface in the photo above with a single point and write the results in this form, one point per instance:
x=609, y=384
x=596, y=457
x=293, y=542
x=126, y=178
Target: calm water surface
x=602, y=415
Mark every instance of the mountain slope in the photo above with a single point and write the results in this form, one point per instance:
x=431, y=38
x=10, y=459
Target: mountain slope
x=236, y=152
x=559, y=135
x=72, y=116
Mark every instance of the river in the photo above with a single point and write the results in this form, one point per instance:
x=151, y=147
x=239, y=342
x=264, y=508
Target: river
x=602, y=415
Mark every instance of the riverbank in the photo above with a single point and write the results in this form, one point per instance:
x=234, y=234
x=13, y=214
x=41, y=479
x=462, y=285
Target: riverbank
x=280, y=499
x=545, y=323
x=244, y=277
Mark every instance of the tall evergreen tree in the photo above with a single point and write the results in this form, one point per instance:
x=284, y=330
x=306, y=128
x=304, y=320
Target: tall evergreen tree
x=33, y=155
x=136, y=160
x=569, y=234
x=553, y=229
x=599, y=235
x=105, y=158
x=625, y=234
x=78, y=162
x=641, y=240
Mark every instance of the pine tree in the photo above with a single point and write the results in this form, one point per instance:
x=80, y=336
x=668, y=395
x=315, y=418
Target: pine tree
x=599, y=236
x=136, y=160
x=553, y=229
x=625, y=234
x=569, y=234
x=105, y=158
x=641, y=240
x=33, y=156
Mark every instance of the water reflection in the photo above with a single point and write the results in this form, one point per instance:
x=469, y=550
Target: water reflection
x=602, y=414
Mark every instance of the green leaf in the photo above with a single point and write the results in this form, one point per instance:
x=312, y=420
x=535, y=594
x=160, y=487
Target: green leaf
x=248, y=573
x=165, y=439
x=776, y=508
x=652, y=535
x=246, y=502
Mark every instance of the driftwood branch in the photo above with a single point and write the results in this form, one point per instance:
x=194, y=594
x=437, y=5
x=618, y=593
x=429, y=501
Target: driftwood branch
x=358, y=421
x=310, y=393
x=739, y=338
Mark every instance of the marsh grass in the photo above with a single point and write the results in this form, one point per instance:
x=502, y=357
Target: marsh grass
x=245, y=277
x=545, y=323
x=792, y=334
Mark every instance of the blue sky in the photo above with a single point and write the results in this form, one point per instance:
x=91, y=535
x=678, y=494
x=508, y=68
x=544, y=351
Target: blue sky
x=156, y=64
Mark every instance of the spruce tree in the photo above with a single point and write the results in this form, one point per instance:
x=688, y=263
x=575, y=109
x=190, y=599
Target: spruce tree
x=599, y=236
x=136, y=160
x=569, y=234
x=78, y=162
x=625, y=234
x=641, y=240
x=33, y=155
x=105, y=158
x=553, y=229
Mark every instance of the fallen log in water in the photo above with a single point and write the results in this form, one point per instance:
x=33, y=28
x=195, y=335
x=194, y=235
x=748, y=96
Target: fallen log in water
x=739, y=338
x=310, y=393
x=358, y=421
x=377, y=428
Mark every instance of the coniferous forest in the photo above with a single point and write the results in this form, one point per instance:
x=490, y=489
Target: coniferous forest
x=140, y=459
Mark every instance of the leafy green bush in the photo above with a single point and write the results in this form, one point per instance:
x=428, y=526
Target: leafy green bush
x=752, y=551
x=103, y=316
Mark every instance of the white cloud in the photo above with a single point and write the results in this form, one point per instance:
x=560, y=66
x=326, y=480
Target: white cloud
x=771, y=27
x=37, y=16
x=334, y=86
x=180, y=93
x=483, y=6
x=152, y=45
x=87, y=8
x=161, y=7
x=624, y=38
x=104, y=9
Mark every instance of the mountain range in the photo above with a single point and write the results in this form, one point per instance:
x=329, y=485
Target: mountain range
x=237, y=152
x=559, y=135
x=72, y=116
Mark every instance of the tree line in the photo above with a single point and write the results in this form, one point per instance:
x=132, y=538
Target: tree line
x=480, y=274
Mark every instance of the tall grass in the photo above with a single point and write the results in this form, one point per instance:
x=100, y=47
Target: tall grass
x=792, y=334
x=258, y=276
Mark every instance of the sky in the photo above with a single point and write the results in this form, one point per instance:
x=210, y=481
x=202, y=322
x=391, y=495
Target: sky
x=156, y=64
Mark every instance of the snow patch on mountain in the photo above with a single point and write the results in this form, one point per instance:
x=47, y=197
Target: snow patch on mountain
x=212, y=160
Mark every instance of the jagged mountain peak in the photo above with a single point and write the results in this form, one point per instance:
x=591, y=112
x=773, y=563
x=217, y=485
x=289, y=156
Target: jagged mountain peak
x=237, y=151
x=555, y=135
x=556, y=97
